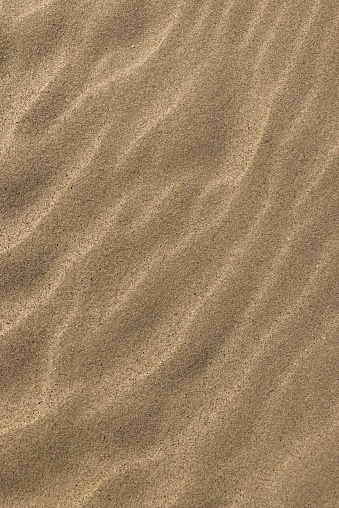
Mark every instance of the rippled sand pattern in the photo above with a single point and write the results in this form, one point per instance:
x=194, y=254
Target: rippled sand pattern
x=169, y=300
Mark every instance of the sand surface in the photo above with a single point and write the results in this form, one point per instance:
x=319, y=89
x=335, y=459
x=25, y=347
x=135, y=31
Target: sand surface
x=169, y=254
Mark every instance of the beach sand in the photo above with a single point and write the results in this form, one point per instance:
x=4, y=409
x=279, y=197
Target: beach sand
x=169, y=254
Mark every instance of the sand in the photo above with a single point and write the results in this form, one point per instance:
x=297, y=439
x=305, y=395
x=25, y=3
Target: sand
x=169, y=254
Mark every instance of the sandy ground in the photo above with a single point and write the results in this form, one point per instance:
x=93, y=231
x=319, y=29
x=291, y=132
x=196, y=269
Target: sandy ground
x=169, y=286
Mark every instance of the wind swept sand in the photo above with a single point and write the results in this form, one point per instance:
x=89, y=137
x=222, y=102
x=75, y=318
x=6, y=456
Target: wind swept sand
x=169, y=254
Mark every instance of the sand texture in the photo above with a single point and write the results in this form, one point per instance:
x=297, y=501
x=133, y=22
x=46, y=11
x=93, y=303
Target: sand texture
x=169, y=265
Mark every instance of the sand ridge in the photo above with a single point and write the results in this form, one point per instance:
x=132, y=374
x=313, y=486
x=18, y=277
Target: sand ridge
x=169, y=254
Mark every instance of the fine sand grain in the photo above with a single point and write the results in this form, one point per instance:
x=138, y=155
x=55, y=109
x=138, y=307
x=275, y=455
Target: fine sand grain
x=169, y=265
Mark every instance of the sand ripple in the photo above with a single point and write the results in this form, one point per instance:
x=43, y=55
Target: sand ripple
x=169, y=254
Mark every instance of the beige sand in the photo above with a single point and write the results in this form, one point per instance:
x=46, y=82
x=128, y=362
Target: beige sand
x=169, y=254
